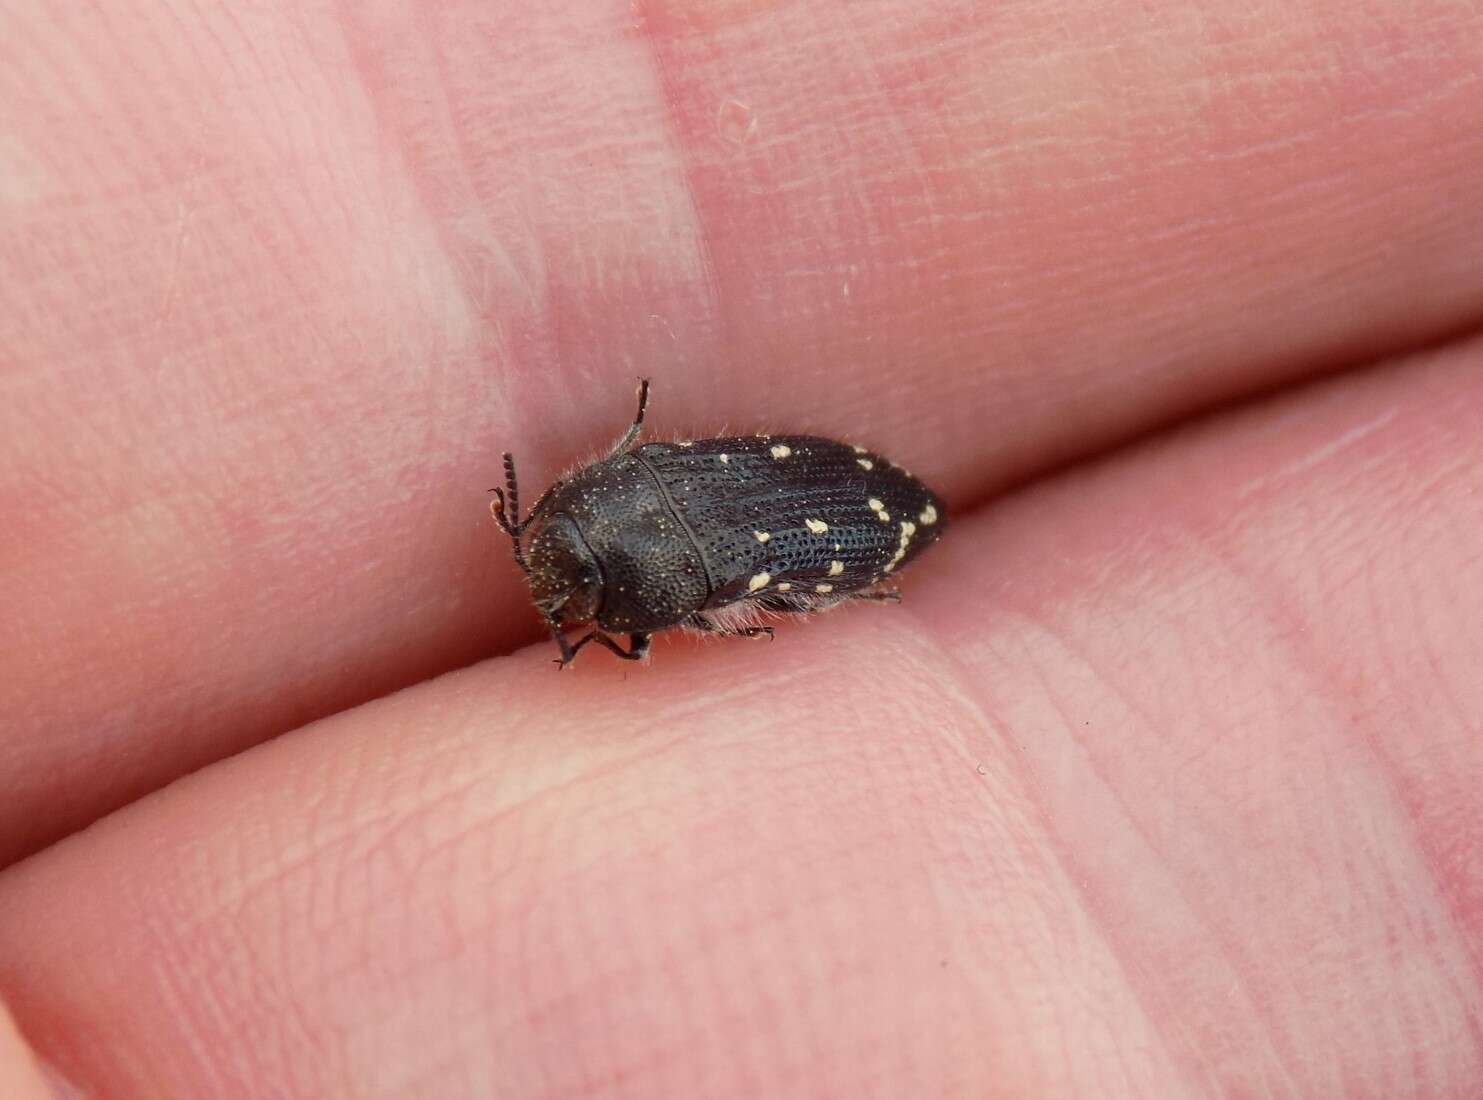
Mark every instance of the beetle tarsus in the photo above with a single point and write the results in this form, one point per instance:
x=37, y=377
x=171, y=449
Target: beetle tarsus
x=568, y=651
x=497, y=510
x=638, y=646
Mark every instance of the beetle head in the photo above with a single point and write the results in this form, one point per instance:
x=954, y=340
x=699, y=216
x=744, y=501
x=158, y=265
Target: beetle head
x=565, y=581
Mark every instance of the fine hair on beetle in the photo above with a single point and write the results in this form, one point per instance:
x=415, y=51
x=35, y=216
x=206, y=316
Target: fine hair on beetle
x=713, y=535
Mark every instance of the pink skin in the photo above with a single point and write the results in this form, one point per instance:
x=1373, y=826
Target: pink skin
x=1163, y=780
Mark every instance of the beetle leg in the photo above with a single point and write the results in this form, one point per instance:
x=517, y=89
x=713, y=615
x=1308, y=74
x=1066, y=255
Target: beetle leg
x=568, y=651
x=633, y=429
x=888, y=597
x=501, y=513
x=497, y=510
x=638, y=646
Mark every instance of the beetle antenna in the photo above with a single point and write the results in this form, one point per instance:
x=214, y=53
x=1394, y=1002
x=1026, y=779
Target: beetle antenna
x=514, y=489
x=638, y=420
x=507, y=514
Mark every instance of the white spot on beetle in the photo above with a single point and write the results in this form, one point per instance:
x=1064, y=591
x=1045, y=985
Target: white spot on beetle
x=884, y=517
x=762, y=536
x=781, y=450
x=858, y=450
x=865, y=463
x=929, y=515
x=890, y=565
x=817, y=526
x=685, y=443
x=908, y=529
x=824, y=588
x=758, y=582
x=875, y=505
x=836, y=568
x=726, y=459
x=785, y=587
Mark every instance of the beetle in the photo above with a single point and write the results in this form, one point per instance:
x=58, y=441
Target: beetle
x=713, y=534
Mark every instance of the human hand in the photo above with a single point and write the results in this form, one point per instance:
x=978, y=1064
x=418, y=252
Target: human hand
x=1161, y=781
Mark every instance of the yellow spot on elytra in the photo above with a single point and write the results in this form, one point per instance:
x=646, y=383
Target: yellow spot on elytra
x=890, y=565
x=785, y=587
x=884, y=517
x=929, y=515
x=836, y=568
x=865, y=463
x=875, y=505
x=758, y=582
x=781, y=450
x=908, y=529
x=817, y=526
x=858, y=450
x=762, y=536
x=823, y=588
x=685, y=443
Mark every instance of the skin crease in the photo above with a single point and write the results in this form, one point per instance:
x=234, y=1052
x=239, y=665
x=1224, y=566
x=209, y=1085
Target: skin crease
x=1160, y=782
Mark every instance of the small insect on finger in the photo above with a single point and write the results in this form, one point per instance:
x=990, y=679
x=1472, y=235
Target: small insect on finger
x=712, y=534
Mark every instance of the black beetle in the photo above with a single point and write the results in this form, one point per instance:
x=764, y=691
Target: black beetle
x=712, y=533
